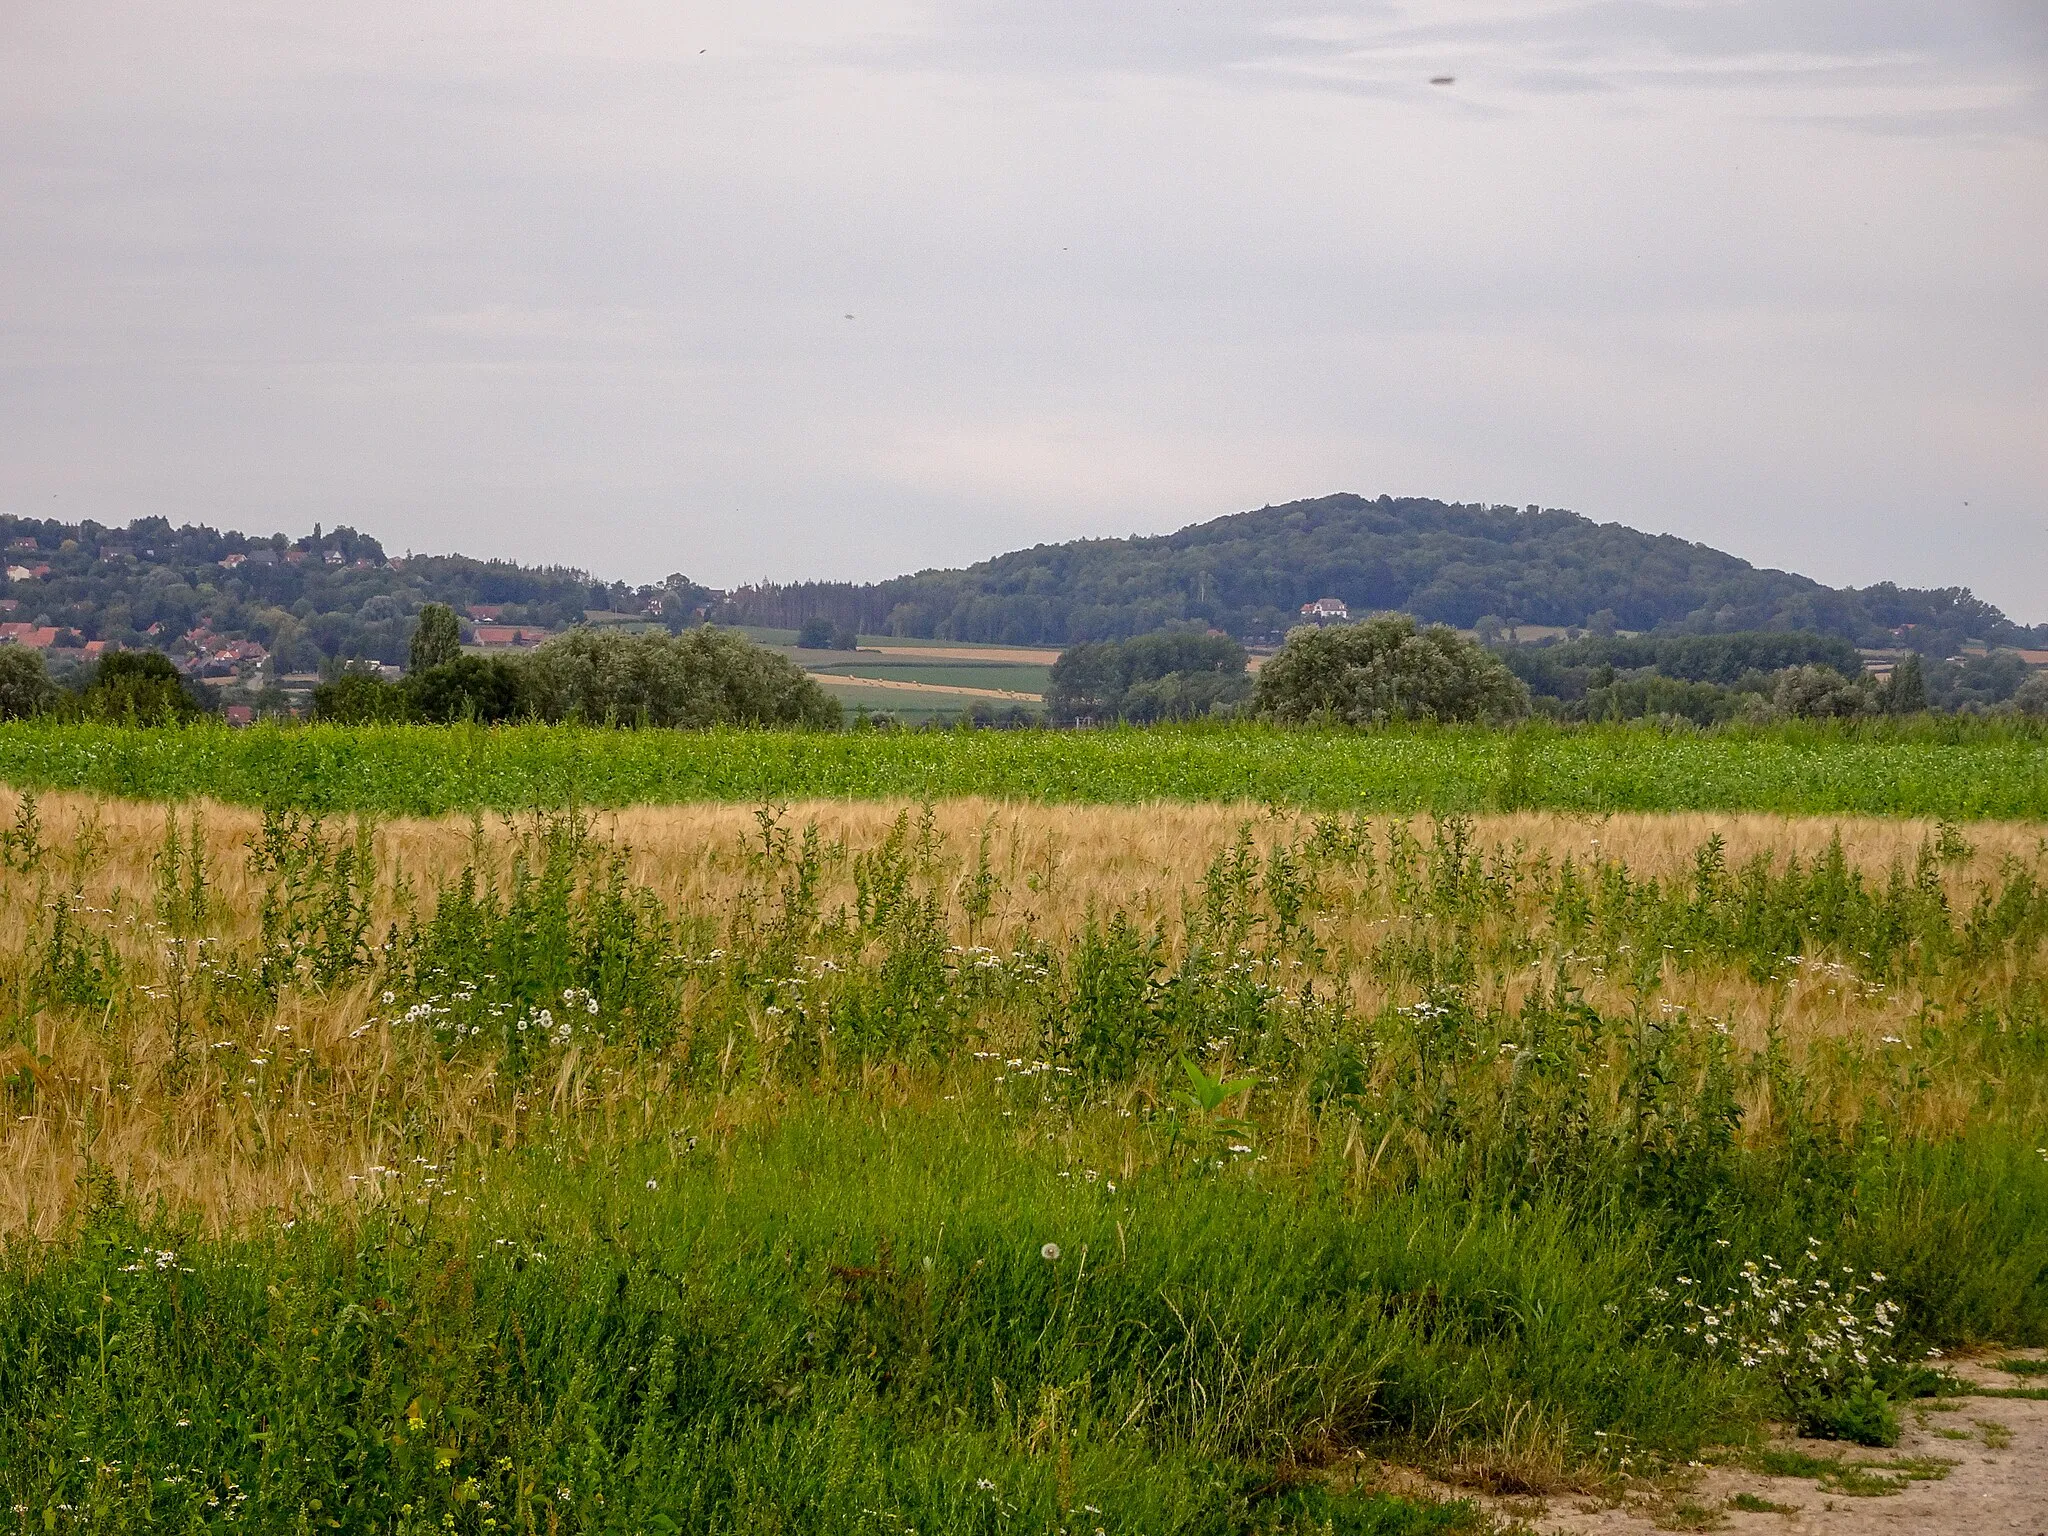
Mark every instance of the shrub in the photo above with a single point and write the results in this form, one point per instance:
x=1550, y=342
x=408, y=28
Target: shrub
x=1385, y=670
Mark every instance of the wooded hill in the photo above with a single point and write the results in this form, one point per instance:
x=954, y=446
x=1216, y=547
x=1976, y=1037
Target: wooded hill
x=333, y=594
x=1250, y=573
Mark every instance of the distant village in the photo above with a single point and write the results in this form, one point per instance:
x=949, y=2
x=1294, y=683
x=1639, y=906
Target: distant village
x=69, y=587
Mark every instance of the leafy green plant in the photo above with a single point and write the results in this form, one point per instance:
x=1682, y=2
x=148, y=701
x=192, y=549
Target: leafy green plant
x=21, y=845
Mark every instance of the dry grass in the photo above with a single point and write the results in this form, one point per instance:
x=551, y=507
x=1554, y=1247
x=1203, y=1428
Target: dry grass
x=275, y=1110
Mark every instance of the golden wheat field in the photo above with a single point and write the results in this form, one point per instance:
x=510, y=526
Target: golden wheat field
x=221, y=1108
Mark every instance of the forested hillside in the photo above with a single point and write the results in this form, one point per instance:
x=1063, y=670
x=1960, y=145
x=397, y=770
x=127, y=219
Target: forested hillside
x=1250, y=573
x=333, y=594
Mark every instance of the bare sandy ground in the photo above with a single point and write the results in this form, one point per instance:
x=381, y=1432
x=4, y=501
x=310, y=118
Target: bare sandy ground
x=1997, y=1481
x=843, y=680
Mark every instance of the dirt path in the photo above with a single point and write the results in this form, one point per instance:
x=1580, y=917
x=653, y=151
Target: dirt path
x=848, y=681
x=1996, y=1480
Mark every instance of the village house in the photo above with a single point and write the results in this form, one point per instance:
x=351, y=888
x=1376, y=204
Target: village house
x=502, y=636
x=1326, y=610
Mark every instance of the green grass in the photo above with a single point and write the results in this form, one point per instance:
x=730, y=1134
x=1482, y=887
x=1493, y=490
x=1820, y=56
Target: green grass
x=1858, y=1477
x=905, y=643
x=801, y=1329
x=908, y=709
x=762, y=634
x=1756, y=1504
x=1955, y=770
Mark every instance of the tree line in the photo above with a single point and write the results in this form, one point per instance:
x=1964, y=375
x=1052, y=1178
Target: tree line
x=1384, y=670
x=701, y=677
x=1389, y=668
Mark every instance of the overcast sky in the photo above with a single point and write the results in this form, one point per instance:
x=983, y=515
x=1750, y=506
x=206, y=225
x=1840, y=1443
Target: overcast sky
x=796, y=288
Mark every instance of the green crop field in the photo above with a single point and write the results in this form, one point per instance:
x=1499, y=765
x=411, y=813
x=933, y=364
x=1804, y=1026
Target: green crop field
x=1957, y=770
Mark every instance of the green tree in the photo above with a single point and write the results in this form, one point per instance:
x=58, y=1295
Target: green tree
x=816, y=635
x=702, y=677
x=1905, y=691
x=25, y=686
x=1387, y=669
x=1175, y=674
x=2032, y=698
x=481, y=688
x=358, y=698
x=142, y=686
x=1822, y=693
x=436, y=639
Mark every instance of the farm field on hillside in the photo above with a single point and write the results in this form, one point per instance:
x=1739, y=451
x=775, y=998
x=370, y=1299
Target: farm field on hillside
x=944, y=678
x=910, y=704
x=991, y=1166
x=1028, y=681
x=1956, y=769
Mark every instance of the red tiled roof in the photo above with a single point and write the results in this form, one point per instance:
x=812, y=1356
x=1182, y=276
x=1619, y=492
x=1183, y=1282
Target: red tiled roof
x=509, y=634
